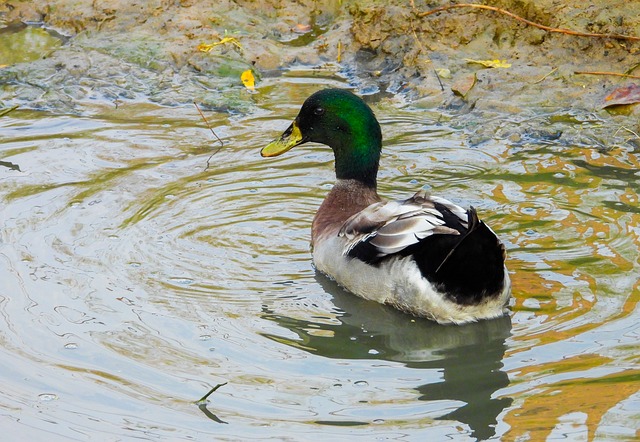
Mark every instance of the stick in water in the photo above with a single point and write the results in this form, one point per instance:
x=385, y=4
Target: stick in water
x=204, y=398
x=214, y=134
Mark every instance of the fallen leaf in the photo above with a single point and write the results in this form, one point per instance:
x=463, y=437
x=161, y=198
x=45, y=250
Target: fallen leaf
x=464, y=85
x=443, y=73
x=248, y=80
x=207, y=47
x=490, y=63
x=301, y=29
x=623, y=95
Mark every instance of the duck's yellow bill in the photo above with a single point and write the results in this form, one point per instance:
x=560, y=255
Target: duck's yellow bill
x=290, y=138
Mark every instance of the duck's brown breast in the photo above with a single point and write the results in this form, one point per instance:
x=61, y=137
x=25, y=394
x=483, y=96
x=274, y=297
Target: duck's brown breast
x=347, y=198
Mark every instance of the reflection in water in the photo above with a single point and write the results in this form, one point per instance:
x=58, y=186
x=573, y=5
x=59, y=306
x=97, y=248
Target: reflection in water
x=10, y=165
x=472, y=374
x=469, y=357
x=130, y=278
x=203, y=402
x=209, y=414
x=20, y=43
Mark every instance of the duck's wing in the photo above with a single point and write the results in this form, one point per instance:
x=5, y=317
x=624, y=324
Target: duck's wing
x=386, y=228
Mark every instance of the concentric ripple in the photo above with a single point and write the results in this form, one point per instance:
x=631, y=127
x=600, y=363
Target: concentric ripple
x=134, y=279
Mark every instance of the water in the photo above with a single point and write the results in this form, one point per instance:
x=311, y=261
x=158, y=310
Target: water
x=132, y=281
x=20, y=43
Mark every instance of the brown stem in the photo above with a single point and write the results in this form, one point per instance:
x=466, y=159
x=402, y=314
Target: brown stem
x=616, y=74
x=529, y=22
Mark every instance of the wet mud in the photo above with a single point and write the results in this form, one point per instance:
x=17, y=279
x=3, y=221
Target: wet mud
x=122, y=51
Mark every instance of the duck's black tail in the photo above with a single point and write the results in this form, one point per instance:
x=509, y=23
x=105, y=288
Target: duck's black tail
x=468, y=267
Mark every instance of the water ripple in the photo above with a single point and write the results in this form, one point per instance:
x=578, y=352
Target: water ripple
x=134, y=280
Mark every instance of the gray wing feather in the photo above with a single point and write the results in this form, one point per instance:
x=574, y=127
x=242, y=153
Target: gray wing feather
x=395, y=225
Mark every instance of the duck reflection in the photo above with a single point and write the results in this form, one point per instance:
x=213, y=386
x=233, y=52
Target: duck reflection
x=469, y=356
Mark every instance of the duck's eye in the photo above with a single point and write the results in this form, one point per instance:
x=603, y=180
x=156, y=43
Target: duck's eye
x=318, y=111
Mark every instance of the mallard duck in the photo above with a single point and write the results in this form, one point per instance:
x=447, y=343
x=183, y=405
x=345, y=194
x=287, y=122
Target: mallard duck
x=423, y=255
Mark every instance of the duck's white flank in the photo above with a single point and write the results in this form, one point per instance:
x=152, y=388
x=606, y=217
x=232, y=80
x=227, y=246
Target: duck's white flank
x=399, y=283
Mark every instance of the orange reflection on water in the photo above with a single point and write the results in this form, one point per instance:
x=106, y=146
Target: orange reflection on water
x=575, y=269
x=542, y=411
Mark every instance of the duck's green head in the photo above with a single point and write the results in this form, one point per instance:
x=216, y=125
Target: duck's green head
x=342, y=121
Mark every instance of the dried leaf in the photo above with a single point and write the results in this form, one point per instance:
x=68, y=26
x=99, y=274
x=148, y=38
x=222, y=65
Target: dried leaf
x=490, y=63
x=623, y=95
x=301, y=29
x=248, y=80
x=207, y=47
x=464, y=85
x=443, y=73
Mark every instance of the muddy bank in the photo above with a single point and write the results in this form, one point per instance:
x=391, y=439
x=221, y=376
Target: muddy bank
x=118, y=51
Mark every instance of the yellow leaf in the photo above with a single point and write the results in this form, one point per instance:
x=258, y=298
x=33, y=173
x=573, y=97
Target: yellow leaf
x=490, y=63
x=207, y=47
x=203, y=47
x=443, y=73
x=248, y=80
x=232, y=40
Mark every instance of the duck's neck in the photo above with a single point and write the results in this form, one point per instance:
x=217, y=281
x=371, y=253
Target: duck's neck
x=357, y=153
x=347, y=198
x=362, y=168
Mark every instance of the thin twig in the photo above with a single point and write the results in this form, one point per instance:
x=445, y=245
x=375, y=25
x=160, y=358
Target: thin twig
x=214, y=134
x=632, y=68
x=4, y=112
x=628, y=130
x=615, y=74
x=545, y=76
x=204, y=398
x=202, y=405
x=528, y=22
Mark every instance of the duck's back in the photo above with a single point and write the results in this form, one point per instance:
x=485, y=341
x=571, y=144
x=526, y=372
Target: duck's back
x=468, y=268
x=424, y=255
